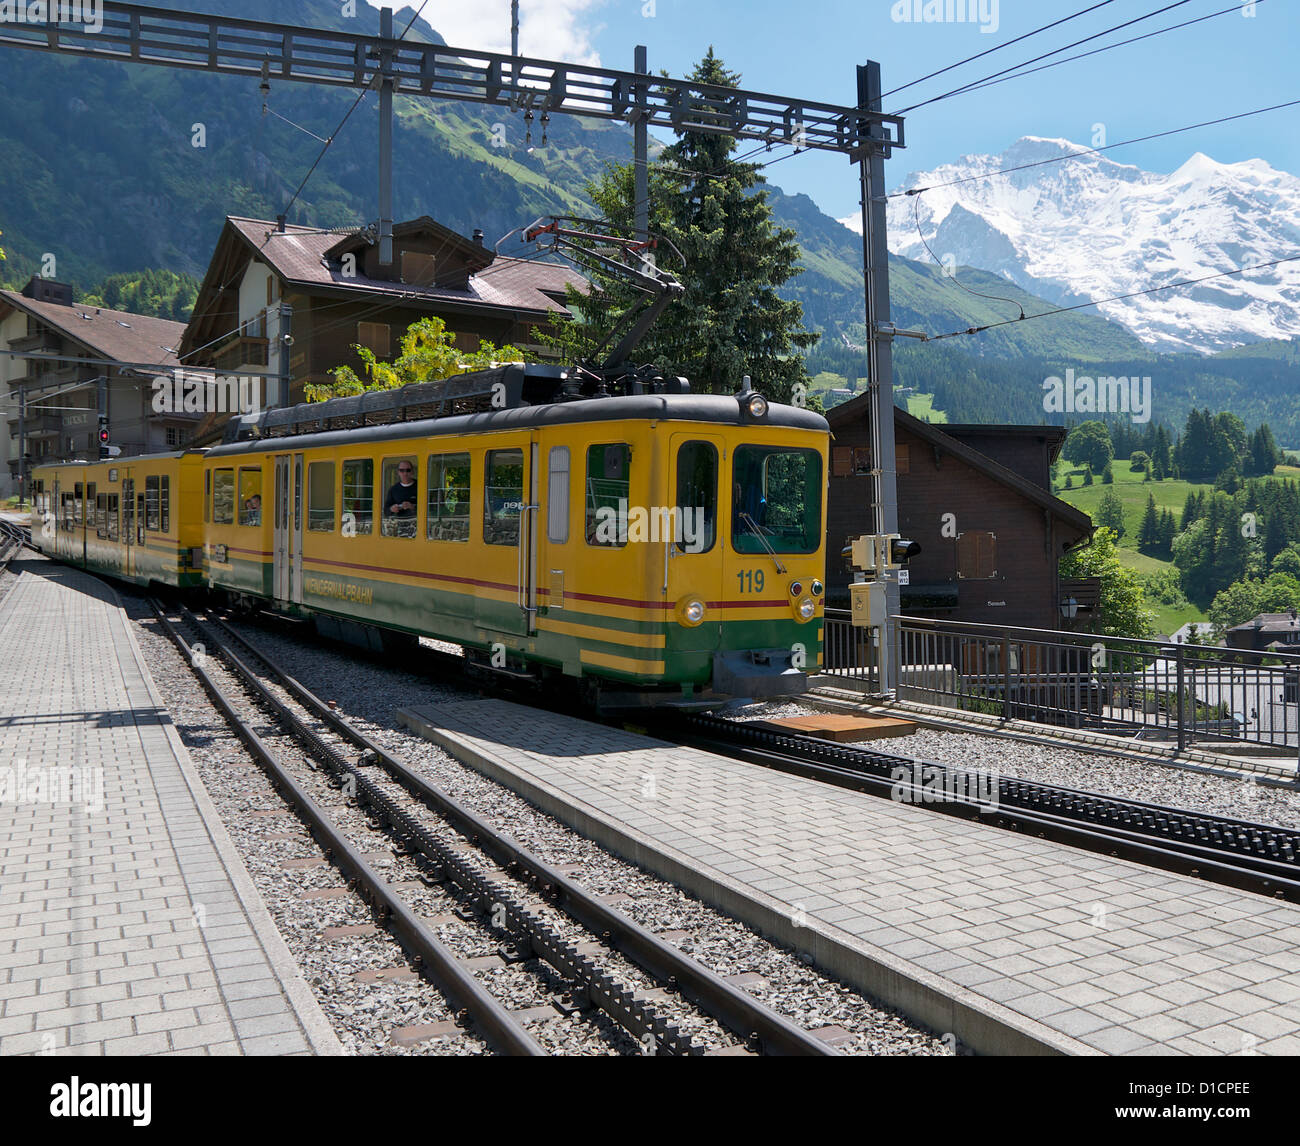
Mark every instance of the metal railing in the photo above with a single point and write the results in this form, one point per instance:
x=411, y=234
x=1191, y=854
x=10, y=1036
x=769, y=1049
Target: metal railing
x=1150, y=690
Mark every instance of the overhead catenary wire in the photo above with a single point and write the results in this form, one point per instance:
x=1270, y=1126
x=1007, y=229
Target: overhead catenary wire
x=996, y=48
x=1043, y=56
x=979, y=85
x=1115, y=298
x=1082, y=152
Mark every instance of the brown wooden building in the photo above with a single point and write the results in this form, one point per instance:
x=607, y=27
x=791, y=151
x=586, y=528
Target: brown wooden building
x=991, y=532
x=340, y=296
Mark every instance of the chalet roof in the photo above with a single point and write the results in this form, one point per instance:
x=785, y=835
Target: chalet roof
x=1268, y=623
x=860, y=406
x=113, y=334
x=308, y=258
x=1054, y=436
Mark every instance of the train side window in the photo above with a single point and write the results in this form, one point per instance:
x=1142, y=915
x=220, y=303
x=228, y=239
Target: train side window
x=448, y=497
x=401, y=497
x=697, y=497
x=250, y=495
x=320, y=497
x=113, y=508
x=165, y=503
x=207, y=496
x=151, y=515
x=503, y=496
x=69, y=510
x=77, y=503
x=358, y=496
x=557, y=496
x=128, y=510
x=101, y=515
x=609, y=478
x=223, y=497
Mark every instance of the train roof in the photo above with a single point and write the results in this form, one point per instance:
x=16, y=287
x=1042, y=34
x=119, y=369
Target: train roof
x=717, y=408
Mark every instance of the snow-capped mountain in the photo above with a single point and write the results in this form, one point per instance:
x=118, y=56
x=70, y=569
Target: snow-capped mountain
x=1091, y=228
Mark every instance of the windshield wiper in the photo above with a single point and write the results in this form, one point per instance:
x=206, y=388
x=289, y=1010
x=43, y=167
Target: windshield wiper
x=753, y=528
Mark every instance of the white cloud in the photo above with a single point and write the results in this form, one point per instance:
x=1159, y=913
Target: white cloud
x=853, y=222
x=548, y=29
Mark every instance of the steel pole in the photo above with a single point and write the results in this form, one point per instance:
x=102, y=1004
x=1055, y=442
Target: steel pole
x=880, y=378
x=640, y=148
x=385, y=141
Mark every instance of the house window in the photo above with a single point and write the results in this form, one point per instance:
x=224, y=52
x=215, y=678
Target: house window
x=173, y=436
x=374, y=336
x=851, y=461
x=417, y=268
x=977, y=556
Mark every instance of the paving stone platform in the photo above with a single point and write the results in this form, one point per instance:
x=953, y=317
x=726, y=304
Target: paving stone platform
x=128, y=922
x=1014, y=944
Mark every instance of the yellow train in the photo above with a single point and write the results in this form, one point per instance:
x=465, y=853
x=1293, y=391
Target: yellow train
x=656, y=547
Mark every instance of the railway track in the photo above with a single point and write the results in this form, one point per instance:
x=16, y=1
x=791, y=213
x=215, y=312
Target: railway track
x=533, y=911
x=1255, y=857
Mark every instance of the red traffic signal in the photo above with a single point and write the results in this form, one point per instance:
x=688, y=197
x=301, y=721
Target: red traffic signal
x=103, y=435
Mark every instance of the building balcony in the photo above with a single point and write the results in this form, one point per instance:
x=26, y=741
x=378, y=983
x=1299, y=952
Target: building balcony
x=231, y=356
x=38, y=426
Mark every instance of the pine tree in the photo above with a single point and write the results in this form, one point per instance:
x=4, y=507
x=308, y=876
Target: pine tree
x=1190, y=511
x=730, y=322
x=1148, y=538
x=1110, y=513
x=1108, y=475
x=1168, y=531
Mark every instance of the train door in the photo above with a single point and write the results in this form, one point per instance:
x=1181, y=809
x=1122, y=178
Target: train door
x=695, y=556
x=282, y=552
x=507, y=602
x=128, y=524
x=295, y=533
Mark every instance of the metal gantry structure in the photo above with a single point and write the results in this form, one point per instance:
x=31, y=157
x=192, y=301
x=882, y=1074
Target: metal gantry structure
x=135, y=33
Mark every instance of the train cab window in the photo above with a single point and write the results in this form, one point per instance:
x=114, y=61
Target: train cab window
x=776, y=500
x=250, y=495
x=401, y=498
x=503, y=496
x=320, y=497
x=223, y=497
x=609, y=478
x=358, y=496
x=697, y=497
x=448, y=486
x=152, y=514
x=165, y=503
x=557, y=496
x=112, y=509
x=101, y=515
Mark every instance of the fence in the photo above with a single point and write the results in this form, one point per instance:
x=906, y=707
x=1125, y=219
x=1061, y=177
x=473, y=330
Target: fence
x=1152, y=690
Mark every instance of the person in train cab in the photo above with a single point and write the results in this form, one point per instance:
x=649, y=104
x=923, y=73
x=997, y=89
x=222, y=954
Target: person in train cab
x=400, y=500
x=253, y=510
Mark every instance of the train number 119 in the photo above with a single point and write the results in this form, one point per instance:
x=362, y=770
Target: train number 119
x=751, y=580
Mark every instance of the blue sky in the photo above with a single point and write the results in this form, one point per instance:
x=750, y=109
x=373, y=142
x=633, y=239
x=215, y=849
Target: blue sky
x=1232, y=63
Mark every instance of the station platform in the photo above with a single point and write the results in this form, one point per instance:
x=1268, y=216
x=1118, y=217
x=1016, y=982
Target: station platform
x=128, y=923
x=1015, y=945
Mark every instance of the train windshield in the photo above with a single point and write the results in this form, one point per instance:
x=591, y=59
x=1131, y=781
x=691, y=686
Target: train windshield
x=776, y=500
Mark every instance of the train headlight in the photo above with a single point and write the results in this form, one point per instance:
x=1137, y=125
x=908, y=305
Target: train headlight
x=806, y=608
x=756, y=405
x=690, y=611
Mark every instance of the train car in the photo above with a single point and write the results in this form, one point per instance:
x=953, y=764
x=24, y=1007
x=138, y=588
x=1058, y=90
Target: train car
x=138, y=518
x=652, y=548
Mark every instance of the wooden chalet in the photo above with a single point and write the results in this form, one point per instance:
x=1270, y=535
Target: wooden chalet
x=978, y=501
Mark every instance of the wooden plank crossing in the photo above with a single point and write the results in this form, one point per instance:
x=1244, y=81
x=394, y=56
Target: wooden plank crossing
x=835, y=726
